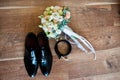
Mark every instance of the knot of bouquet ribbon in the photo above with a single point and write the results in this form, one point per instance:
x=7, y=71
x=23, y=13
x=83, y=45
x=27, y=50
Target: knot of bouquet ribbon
x=77, y=39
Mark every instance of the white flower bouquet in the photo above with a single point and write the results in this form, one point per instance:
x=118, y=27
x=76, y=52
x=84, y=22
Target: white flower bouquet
x=54, y=21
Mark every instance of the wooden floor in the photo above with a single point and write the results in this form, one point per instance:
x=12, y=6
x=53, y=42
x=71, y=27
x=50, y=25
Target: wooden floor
x=97, y=20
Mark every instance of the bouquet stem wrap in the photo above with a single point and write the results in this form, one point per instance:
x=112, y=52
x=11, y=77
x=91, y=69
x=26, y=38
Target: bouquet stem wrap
x=77, y=39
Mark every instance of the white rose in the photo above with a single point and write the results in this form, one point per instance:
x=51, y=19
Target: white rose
x=60, y=18
x=55, y=15
x=51, y=25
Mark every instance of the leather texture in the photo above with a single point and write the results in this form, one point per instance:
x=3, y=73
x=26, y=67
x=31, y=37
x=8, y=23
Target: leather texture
x=30, y=55
x=44, y=56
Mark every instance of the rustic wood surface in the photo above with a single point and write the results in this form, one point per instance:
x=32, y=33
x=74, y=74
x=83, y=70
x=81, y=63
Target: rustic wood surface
x=96, y=20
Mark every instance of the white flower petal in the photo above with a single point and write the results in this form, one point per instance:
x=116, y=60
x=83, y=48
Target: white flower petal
x=55, y=15
x=60, y=18
x=40, y=26
x=43, y=20
x=51, y=18
x=51, y=7
x=57, y=7
x=45, y=29
x=58, y=31
x=55, y=27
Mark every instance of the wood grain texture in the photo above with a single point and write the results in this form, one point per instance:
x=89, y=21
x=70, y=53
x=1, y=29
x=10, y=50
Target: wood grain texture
x=97, y=20
x=96, y=23
x=107, y=62
x=49, y=2
x=110, y=76
x=79, y=67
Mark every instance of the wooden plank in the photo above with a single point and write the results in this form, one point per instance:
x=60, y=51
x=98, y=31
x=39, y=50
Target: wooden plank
x=110, y=76
x=116, y=11
x=15, y=24
x=49, y=2
x=80, y=66
x=83, y=65
x=15, y=70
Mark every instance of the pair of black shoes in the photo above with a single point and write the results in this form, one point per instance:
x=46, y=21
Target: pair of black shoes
x=37, y=53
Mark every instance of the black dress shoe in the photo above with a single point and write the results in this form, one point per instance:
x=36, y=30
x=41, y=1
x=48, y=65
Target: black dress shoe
x=44, y=55
x=30, y=59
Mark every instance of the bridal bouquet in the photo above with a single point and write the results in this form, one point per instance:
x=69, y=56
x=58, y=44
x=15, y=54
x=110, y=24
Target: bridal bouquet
x=54, y=22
